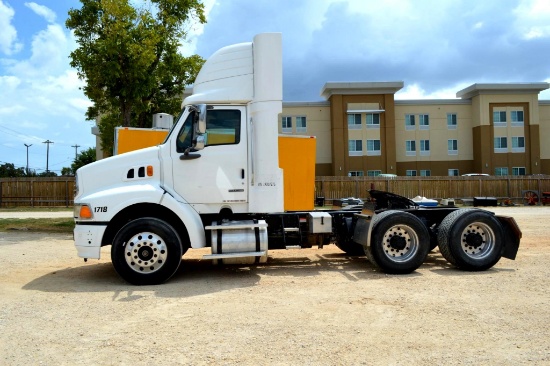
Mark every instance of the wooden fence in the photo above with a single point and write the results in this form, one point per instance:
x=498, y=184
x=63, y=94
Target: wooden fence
x=37, y=192
x=513, y=187
x=59, y=191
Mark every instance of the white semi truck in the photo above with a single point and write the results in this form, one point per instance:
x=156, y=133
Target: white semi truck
x=216, y=182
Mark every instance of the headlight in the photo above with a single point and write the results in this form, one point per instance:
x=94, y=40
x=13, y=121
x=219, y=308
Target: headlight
x=83, y=212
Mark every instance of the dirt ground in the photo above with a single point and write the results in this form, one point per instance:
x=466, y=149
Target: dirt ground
x=307, y=307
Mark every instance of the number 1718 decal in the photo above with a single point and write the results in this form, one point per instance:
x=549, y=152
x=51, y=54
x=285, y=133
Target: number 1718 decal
x=100, y=209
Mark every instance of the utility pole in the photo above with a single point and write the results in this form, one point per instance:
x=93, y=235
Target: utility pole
x=27, y=157
x=47, y=142
x=75, y=150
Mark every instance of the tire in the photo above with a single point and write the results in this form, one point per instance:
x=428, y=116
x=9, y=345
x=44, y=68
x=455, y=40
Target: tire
x=146, y=251
x=399, y=242
x=471, y=239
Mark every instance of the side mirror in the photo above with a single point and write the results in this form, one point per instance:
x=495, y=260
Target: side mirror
x=200, y=142
x=200, y=126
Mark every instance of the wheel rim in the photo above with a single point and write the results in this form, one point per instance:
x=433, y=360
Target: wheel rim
x=477, y=240
x=145, y=252
x=400, y=243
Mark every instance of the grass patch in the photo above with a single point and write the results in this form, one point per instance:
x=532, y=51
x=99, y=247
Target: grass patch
x=36, y=209
x=54, y=225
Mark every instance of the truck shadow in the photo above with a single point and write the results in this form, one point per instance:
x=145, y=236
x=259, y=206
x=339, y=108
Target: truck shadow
x=197, y=277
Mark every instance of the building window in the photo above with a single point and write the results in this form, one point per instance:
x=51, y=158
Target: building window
x=410, y=173
x=518, y=144
x=410, y=147
x=356, y=173
x=373, y=147
x=355, y=147
x=424, y=147
x=424, y=121
x=451, y=121
x=518, y=171
x=354, y=121
x=287, y=124
x=301, y=124
x=373, y=173
x=409, y=121
x=517, y=118
x=501, y=144
x=453, y=172
x=452, y=147
x=425, y=173
x=499, y=118
x=501, y=171
x=373, y=120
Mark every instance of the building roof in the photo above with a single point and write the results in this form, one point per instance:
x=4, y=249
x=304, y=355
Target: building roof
x=502, y=88
x=348, y=88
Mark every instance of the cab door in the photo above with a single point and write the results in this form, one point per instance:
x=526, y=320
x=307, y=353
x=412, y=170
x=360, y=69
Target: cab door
x=215, y=175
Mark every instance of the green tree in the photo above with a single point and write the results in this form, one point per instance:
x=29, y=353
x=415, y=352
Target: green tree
x=128, y=57
x=8, y=170
x=83, y=158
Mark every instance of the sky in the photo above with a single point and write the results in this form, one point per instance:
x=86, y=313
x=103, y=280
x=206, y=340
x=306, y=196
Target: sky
x=436, y=47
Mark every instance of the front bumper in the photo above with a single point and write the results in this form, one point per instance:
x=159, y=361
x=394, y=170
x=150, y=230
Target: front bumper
x=87, y=240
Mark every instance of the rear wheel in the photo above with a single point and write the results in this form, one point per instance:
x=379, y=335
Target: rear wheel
x=471, y=239
x=399, y=242
x=146, y=251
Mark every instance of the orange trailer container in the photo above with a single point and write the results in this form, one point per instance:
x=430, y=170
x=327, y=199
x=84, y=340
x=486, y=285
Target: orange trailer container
x=297, y=159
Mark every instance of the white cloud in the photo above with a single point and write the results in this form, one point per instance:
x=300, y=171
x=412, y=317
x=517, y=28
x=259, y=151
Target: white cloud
x=533, y=17
x=49, y=51
x=40, y=98
x=414, y=91
x=8, y=33
x=43, y=11
x=189, y=45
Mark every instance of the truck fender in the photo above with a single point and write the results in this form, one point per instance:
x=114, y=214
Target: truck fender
x=512, y=236
x=190, y=219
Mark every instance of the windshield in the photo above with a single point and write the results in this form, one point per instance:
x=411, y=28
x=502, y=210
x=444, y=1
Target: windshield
x=174, y=125
x=185, y=134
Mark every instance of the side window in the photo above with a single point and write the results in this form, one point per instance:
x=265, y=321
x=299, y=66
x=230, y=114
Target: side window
x=223, y=127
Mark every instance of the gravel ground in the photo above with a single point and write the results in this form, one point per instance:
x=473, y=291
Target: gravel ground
x=309, y=307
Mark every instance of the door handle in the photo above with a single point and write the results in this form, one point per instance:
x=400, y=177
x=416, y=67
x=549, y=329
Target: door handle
x=242, y=173
x=189, y=156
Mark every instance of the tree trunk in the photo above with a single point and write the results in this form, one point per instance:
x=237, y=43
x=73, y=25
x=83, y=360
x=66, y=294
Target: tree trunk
x=126, y=110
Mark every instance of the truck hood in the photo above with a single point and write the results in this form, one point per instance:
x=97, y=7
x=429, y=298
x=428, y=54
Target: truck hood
x=133, y=168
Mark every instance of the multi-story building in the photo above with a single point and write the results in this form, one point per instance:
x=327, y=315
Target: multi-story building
x=495, y=129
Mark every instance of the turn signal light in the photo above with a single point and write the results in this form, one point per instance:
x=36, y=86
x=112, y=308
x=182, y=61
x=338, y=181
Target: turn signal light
x=149, y=170
x=85, y=212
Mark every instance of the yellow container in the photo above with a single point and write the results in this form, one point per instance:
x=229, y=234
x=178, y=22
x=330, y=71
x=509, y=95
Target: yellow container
x=129, y=138
x=297, y=159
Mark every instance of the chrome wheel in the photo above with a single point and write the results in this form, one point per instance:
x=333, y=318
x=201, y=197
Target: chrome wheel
x=145, y=252
x=477, y=240
x=400, y=243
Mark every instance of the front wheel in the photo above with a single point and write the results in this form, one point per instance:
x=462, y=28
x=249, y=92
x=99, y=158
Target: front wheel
x=471, y=239
x=399, y=242
x=146, y=251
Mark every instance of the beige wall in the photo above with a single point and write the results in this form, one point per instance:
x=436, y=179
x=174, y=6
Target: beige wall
x=544, y=120
x=475, y=133
x=318, y=125
x=438, y=133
